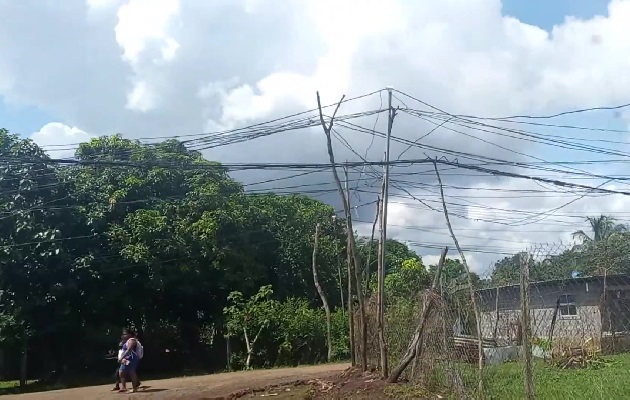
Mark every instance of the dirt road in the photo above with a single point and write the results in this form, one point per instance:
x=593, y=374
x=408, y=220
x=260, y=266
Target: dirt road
x=198, y=387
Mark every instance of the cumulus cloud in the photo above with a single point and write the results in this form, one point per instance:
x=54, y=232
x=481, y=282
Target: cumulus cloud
x=171, y=67
x=60, y=139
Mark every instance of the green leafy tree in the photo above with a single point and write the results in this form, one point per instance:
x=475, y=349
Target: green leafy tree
x=408, y=280
x=602, y=228
x=38, y=271
x=249, y=317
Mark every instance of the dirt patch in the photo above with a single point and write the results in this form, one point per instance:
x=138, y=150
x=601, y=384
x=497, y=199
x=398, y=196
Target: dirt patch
x=350, y=384
x=295, y=390
x=209, y=387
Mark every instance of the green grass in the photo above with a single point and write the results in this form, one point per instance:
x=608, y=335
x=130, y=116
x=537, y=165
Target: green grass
x=607, y=382
x=9, y=384
x=506, y=381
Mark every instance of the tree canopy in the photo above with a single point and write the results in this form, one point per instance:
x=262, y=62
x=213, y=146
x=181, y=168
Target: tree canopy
x=152, y=237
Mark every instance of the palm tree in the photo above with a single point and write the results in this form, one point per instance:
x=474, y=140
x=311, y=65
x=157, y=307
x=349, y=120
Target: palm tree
x=603, y=227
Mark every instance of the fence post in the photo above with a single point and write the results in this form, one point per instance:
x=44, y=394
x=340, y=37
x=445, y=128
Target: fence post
x=526, y=327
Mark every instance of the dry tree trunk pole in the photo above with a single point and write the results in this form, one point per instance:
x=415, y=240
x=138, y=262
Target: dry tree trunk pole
x=369, y=257
x=449, y=346
x=353, y=356
x=527, y=328
x=380, y=313
x=357, y=277
x=321, y=293
x=352, y=251
x=473, y=297
x=343, y=302
x=427, y=305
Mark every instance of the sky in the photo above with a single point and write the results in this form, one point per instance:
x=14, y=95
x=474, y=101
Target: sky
x=151, y=68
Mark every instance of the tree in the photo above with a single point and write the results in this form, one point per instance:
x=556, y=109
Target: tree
x=602, y=228
x=395, y=253
x=407, y=281
x=508, y=270
x=249, y=316
x=38, y=271
x=454, y=274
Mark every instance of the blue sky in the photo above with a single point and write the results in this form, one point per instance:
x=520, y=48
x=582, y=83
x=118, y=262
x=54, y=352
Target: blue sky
x=22, y=119
x=547, y=13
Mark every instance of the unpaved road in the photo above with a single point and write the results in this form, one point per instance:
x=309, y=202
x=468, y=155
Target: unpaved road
x=198, y=387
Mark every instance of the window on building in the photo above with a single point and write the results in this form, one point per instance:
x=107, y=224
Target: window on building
x=566, y=304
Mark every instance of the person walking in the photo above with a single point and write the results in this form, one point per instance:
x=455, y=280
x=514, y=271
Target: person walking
x=128, y=363
x=118, y=357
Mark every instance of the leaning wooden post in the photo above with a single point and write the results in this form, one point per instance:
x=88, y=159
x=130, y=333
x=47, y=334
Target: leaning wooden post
x=427, y=305
x=473, y=294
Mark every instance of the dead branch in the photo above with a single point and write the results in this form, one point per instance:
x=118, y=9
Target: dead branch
x=427, y=304
x=352, y=252
x=321, y=293
x=473, y=297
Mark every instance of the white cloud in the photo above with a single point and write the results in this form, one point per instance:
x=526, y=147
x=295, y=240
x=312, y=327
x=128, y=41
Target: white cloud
x=171, y=68
x=141, y=97
x=60, y=139
x=141, y=24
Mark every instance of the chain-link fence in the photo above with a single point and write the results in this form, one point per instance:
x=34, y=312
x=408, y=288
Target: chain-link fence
x=555, y=308
x=551, y=318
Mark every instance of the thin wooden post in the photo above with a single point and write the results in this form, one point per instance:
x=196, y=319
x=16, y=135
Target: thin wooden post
x=353, y=355
x=473, y=295
x=496, y=315
x=357, y=281
x=321, y=293
x=526, y=328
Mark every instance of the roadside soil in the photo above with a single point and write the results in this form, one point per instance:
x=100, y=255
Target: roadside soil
x=218, y=386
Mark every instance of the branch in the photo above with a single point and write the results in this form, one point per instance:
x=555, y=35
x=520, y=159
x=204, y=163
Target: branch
x=247, y=343
x=257, y=335
x=328, y=128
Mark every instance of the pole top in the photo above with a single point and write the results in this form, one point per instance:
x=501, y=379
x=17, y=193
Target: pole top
x=390, y=88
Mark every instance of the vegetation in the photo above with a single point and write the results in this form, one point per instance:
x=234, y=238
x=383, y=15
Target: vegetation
x=157, y=238
x=605, y=249
x=506, y=381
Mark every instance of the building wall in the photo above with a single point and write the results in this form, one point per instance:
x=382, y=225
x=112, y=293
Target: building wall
x=587, y=324
x=543, y=298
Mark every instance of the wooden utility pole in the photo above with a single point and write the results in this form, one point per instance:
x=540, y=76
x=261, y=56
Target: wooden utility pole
x=353, y=354
x=526, y=328
x=357, y=277
x=380, y=296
